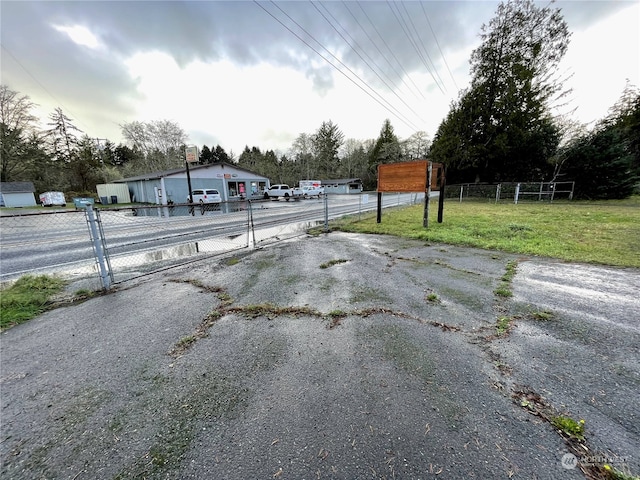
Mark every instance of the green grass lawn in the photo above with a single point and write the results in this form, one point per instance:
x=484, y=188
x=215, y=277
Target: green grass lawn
x=28, y=297
x=604, y=232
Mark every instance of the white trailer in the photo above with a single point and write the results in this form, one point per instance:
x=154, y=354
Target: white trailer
x=310, y=183
x=49, y=199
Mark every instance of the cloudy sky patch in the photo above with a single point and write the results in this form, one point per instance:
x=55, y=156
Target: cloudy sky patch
x=258, y=74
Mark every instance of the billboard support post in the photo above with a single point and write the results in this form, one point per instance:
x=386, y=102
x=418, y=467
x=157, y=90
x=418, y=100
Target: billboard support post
x=425, y=218
x=443, y=183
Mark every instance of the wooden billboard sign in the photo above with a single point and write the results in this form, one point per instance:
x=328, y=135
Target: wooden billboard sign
x=407, y=176
x=420, y=176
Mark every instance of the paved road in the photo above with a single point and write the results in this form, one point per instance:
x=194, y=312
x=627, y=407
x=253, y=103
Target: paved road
x=59, y=242
x=385, y=364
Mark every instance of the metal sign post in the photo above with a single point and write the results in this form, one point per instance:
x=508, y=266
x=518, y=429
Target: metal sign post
x=191, y=156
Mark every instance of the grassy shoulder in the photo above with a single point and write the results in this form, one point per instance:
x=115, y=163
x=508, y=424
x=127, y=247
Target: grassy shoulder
x=28, y=297
x=602, y=232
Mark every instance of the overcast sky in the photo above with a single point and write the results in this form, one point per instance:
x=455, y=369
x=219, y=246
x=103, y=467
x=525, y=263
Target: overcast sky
x=259, y=74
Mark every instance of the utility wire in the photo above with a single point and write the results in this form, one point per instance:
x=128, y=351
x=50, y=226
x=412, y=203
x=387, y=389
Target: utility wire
x=382, y=55
x=397, y=115
x=421, y=43
x=340, y=62
x=367, y=63
x=407, y=34
x=38, y=82
x=390, y=51
x=439, y=49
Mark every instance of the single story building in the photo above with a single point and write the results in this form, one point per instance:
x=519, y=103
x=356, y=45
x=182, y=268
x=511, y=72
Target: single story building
x=17, y=194
x=342, y=185
x=171, y=186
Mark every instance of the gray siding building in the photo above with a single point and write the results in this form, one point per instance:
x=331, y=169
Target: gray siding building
x=342, y=185
x=170, y=186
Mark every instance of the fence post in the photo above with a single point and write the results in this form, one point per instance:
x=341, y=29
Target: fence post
x=250, y=226
x=515, y=199
x=461, y=192
x=105, y=275
x=498, y=188
x=326, y=212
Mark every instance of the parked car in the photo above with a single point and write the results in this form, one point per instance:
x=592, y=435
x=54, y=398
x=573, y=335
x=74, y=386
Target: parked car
x=309, y=192
x=208, y=198
x=209, y=195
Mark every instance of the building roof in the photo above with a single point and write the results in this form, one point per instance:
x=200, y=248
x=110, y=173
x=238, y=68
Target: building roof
x=341, y=181
x=17, y=187
x=174, y=171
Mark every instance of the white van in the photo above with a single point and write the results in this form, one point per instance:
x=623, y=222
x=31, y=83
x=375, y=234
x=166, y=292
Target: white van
x=49, y=199
x=209, y=195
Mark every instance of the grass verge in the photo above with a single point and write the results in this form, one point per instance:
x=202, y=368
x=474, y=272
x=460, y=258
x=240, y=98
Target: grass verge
x=602, y=232
x=28, y=297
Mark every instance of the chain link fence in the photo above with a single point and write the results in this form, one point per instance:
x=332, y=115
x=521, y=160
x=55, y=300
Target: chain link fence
x=106, y=246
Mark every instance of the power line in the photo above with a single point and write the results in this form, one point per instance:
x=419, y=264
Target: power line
x=439, y=49
x=367, y=63
x=397, y=115
x=407, y=34
x=389, y=49
x=418, y=37
x=38, y=82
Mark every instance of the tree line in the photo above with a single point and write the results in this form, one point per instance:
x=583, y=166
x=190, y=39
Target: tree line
x=501, y=128
x=63, y=158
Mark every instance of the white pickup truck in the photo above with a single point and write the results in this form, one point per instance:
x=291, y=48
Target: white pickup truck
x=284, y=191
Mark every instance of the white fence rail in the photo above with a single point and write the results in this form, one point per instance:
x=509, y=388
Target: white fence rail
x=512, y=191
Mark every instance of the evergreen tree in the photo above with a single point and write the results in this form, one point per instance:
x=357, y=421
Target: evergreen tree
x=206, y=156
x=220, y=156
x=326, y=144
x=604, y=163
x=62, y=136
x=387, y=147
x=83, y=166
x=502, y=122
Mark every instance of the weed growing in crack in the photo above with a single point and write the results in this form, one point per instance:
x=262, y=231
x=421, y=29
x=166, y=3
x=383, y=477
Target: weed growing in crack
x=432, y=298
x=572, y=432
x=569, y=427
x=331, y=263
x=542, y=315
x=504, y=289
x=503, y=326
x=184, y=342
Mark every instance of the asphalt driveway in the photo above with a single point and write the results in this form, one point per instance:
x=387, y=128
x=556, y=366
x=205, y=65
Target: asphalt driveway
x=339, y=356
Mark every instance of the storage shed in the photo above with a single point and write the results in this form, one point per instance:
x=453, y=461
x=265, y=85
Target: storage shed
x=17, y=194
x=170, y=186
x=113, y=193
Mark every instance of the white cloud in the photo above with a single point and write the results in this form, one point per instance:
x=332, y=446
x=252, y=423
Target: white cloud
x=80, y=35
x=601, y=58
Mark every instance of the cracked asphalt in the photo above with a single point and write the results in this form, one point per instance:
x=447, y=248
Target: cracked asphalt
x=387, y=364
